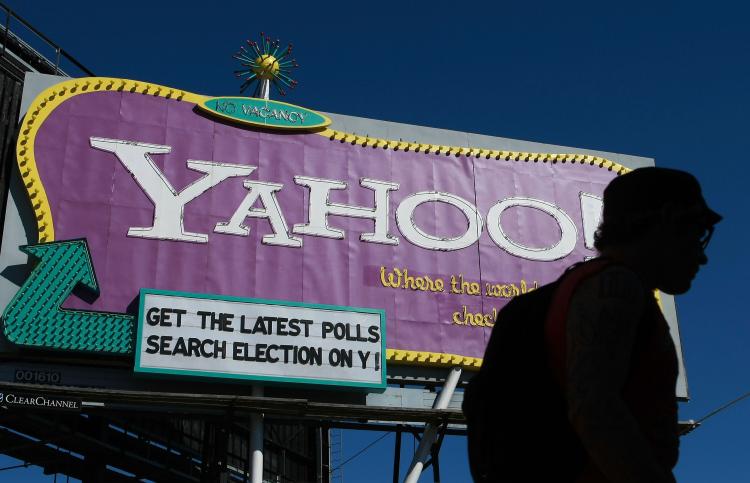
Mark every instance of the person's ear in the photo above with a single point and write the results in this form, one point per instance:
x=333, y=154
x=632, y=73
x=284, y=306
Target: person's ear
x=669, y=213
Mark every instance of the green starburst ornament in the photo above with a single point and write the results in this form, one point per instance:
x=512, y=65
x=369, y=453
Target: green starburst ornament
x=265, y=64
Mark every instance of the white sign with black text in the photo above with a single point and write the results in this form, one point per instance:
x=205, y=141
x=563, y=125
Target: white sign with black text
x=229, y=337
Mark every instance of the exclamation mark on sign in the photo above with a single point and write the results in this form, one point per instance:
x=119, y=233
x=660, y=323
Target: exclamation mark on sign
x=591, y=215
x=377, y=361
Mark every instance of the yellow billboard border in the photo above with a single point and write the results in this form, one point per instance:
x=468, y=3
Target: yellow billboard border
x=50, y=98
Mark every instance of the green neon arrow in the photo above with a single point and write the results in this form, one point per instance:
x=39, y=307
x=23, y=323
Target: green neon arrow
x=34, y=317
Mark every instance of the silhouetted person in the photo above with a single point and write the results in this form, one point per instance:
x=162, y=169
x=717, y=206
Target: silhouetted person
x=601, y=405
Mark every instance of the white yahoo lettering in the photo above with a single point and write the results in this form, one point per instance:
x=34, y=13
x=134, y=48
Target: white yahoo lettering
x=408, y=227
x=169, y=205
x=591, y=216
x=272, y=211
x=320, y=207
x=568, y=232
x=169, y=208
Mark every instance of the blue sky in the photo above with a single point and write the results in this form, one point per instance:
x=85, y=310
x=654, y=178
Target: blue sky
x=666, y=80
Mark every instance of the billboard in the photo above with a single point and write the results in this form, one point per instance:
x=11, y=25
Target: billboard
x=180, y=192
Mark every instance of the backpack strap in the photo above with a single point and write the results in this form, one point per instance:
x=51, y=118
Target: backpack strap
x=555, y=325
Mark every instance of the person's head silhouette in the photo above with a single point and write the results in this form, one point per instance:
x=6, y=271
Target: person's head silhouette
x=656, y=221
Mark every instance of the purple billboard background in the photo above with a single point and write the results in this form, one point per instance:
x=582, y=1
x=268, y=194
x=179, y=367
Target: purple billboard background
x=94, y=197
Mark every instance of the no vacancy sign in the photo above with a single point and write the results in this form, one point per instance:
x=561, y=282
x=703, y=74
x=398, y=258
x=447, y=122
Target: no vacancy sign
x=268, y=340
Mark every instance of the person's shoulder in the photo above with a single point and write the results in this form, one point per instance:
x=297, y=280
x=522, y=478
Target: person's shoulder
x=613, y=281
x=533, y=297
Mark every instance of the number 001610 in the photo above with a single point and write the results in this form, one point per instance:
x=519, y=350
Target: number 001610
x=37, y=376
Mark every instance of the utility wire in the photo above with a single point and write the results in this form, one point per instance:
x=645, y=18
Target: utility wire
x=730, y=403
x=695, y=424
x=360, y=452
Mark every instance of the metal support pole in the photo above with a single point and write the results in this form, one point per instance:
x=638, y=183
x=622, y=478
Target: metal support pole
x=95, y=468
x=222, y=446
x=248, y=455
x=397, y=456
x=430, y=430
x=435, y=465
x=256, y=441
x=319, y=455
x=265, y=89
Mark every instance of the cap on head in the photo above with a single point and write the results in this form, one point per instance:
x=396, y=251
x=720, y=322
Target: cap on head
x=632, y=201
